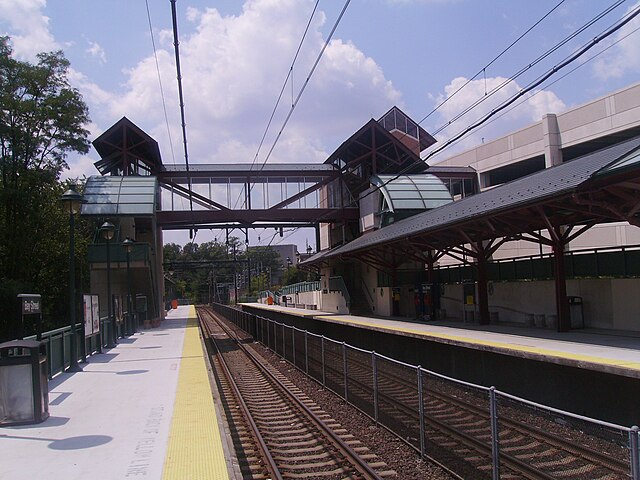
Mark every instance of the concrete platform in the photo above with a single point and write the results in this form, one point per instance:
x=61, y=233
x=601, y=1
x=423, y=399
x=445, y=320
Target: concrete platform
x=588, y=349
x=129, y=414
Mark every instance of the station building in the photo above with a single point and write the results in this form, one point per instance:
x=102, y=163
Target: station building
x=484, y=236
x=537, y=228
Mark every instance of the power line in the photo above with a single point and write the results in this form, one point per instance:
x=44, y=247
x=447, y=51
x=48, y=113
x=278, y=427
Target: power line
x=593, y=57
x=540, y=80
x=306, y=82
x=164, y=105
x=524, y=69
x=284, y=86
x=568, y=60
x=484, y=69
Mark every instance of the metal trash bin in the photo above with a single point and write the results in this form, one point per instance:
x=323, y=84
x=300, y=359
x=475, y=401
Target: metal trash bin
x=576, y=314
x=24, y=385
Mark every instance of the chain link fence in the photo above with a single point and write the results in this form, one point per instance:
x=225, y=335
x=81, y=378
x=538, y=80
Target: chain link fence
x=483, y=431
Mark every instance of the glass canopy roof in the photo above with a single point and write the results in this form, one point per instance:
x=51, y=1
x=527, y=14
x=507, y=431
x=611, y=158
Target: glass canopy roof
x=112, y=195
x=627, y=161
x=412, y=192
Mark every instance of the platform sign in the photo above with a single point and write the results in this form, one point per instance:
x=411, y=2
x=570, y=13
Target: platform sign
x=91, y=313
x=117, y=309
x=95, y=313
x=31, y=304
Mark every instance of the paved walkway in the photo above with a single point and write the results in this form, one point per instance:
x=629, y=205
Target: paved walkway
x=113, y=420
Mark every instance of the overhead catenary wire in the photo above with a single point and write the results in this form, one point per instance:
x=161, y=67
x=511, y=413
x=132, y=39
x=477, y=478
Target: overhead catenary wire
x=164, y=104
x=483, y=70
x=306, y=82
x=520, y=72
x=568, y=60
x=302, y=89
x=593, y=57
x=282, y=90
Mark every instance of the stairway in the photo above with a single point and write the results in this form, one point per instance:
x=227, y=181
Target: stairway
x=359, y=304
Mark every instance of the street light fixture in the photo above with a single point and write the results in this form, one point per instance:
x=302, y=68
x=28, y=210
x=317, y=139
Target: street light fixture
x=128, y=246
x=72, y=200
x=107, y=230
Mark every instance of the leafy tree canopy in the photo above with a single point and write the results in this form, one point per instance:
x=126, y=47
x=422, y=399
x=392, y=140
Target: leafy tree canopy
x=42, y=120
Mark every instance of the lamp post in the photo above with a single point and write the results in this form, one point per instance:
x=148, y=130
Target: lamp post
x=108, y=230
x=72, y=200
x=128, y=246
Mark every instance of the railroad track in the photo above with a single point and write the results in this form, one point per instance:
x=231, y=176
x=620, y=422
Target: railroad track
x=282, y=433
x=459, y=422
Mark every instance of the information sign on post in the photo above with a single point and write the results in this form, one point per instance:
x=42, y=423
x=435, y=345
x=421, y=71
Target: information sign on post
x=31, y=304
x=91, y=315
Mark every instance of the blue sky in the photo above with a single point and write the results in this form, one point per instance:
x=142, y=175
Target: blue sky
x=235, y=56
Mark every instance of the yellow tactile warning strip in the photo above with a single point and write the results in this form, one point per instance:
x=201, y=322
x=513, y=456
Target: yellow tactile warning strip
x=195, y=447
x=518, y=349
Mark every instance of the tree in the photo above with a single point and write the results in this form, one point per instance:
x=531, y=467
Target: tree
x=42, y=120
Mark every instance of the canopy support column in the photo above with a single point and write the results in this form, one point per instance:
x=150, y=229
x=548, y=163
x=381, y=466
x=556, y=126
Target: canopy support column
x=483, y=279
x=562, y=302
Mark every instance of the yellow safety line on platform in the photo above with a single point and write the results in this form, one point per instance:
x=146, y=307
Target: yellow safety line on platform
x=507, y=346
x=195, y=446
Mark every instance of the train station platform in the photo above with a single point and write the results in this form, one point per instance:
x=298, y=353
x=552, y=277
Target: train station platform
x=601, y=351
x=143, y=409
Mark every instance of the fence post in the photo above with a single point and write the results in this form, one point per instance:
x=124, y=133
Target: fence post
x=344, y=370
x=634, y=445
x=49, y=349
x=63, y=351
x=293, y=346
x=306, y=353
x=284, y=342
x=421, y=412
x=268, y=333
x=495, y=445
x=322, y=355
x=374, y=366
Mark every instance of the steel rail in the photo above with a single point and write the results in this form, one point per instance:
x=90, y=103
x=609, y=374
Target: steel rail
x=270, y=463
x=352, y=457
x=598, y=458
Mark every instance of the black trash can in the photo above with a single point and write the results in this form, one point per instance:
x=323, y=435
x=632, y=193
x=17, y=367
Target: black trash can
x=24, y=384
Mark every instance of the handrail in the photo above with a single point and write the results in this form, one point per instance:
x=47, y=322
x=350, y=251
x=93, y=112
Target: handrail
x=336, y=284
x=582, y=251
x=606, y=262
x=365, y=288
x=58, y=345
x=300, y=287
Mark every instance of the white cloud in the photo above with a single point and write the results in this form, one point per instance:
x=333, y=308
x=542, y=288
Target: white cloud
x=623, y=57
x=529, y=109
x=233, y=68
x=96, y=51
x=29, y=28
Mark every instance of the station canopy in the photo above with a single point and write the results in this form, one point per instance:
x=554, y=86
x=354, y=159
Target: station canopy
x=599, y=187
x=120, y=196
x=412, y=192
